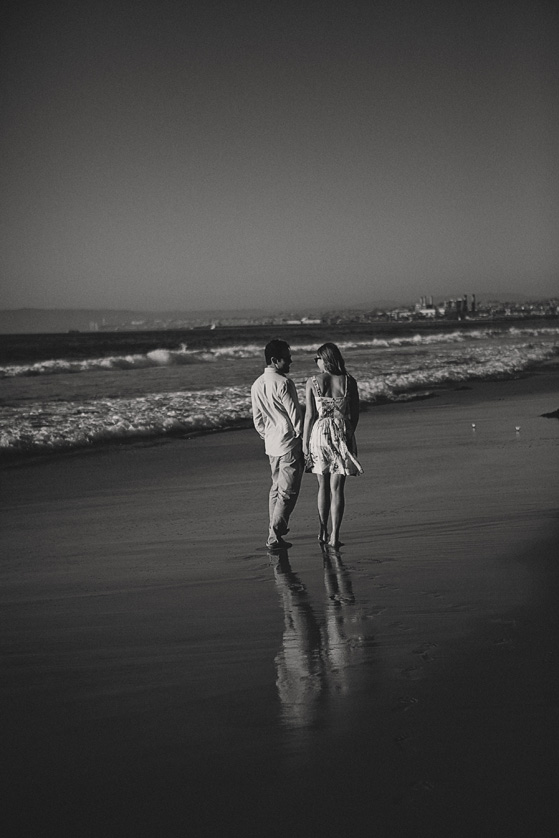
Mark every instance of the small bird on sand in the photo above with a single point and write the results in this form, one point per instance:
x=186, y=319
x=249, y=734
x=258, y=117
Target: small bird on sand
x=517, y=428
x=474, y=425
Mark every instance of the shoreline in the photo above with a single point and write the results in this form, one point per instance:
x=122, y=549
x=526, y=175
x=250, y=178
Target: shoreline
x=164, y=674
x=545, y=378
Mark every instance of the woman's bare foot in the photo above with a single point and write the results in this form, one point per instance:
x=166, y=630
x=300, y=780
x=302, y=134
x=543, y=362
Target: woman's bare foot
x=335, y=544
x=323, y=536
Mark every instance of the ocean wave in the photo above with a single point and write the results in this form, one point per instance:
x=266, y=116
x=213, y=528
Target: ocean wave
x=57, y=366
x=47, y=426
x=184, y=355
x=459, y=336
x=56, y=426
x=154, y=358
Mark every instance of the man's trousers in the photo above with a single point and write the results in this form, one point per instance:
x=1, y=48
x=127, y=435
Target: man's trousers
x=287, y=472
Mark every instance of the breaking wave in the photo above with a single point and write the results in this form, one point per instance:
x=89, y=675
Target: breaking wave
x=184, y=355
x=57, y=425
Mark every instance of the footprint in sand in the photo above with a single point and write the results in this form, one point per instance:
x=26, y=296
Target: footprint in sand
x=411, y=673
x=405, y=703
x=371, y=614
x=399, y=626
x=463, y=607
x=402, y=739
x=422, y=786
x=503, y=621
x=424, y=651
x=504, y=641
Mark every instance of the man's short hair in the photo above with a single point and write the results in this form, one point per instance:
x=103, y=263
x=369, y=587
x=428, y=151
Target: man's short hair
x=275, y=349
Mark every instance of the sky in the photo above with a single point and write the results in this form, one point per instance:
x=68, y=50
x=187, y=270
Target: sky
x=190, y=155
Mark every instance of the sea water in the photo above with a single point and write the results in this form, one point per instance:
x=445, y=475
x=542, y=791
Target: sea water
x=65, y=392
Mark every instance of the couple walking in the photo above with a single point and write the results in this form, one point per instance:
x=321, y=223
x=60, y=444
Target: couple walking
x=323, y=444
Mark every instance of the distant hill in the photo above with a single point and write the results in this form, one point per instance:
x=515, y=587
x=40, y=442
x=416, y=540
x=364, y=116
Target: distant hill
x=37, y=320
x=46, y=320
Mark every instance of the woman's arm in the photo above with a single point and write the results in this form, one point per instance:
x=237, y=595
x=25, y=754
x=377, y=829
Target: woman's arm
x=310, y=415
x=353, y=400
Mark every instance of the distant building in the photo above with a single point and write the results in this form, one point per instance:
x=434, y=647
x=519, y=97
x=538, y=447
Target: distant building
x=425, y=308
x=400, y=314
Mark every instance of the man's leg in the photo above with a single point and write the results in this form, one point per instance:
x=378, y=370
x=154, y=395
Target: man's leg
x=287, y=473
x=274, y=466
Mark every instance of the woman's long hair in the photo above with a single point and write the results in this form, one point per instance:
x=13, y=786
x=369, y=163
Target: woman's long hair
x=332, y=358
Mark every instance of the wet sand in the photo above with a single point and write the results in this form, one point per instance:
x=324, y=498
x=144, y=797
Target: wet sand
x=163, y=675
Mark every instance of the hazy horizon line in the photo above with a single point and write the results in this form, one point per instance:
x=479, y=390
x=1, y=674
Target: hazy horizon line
x=381, y=303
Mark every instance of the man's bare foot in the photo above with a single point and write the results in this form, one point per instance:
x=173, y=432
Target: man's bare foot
x=335, y=544
x=279, y=544
x=322, y=536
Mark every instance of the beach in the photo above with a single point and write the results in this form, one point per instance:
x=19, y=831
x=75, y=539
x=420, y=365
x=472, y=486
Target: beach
x=164, y=675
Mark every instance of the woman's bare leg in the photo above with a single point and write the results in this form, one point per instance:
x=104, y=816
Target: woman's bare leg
x=323, y=505
x=337, y=506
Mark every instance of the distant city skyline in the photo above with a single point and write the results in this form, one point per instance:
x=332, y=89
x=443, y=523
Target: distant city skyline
x=453, y=307
x=163, y=155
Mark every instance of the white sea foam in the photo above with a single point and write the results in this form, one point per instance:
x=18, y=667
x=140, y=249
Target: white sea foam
x=45, y=424
x=185, y=355
x=63, y=425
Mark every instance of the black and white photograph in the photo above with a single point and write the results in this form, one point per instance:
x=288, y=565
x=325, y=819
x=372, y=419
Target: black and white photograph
x=279, y=403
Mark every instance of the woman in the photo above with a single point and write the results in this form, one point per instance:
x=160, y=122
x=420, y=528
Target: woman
x=331, y=417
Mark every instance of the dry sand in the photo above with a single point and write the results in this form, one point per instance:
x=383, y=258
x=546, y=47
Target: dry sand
x=164, y=676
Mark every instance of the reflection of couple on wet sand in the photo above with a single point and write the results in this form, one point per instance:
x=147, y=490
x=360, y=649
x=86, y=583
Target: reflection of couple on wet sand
x=314, y=658
x=325, y=441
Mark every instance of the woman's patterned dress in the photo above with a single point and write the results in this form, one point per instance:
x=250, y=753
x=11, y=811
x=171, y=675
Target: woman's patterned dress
x=332, y=444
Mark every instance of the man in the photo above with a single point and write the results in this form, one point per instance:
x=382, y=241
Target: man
x=278, y=418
